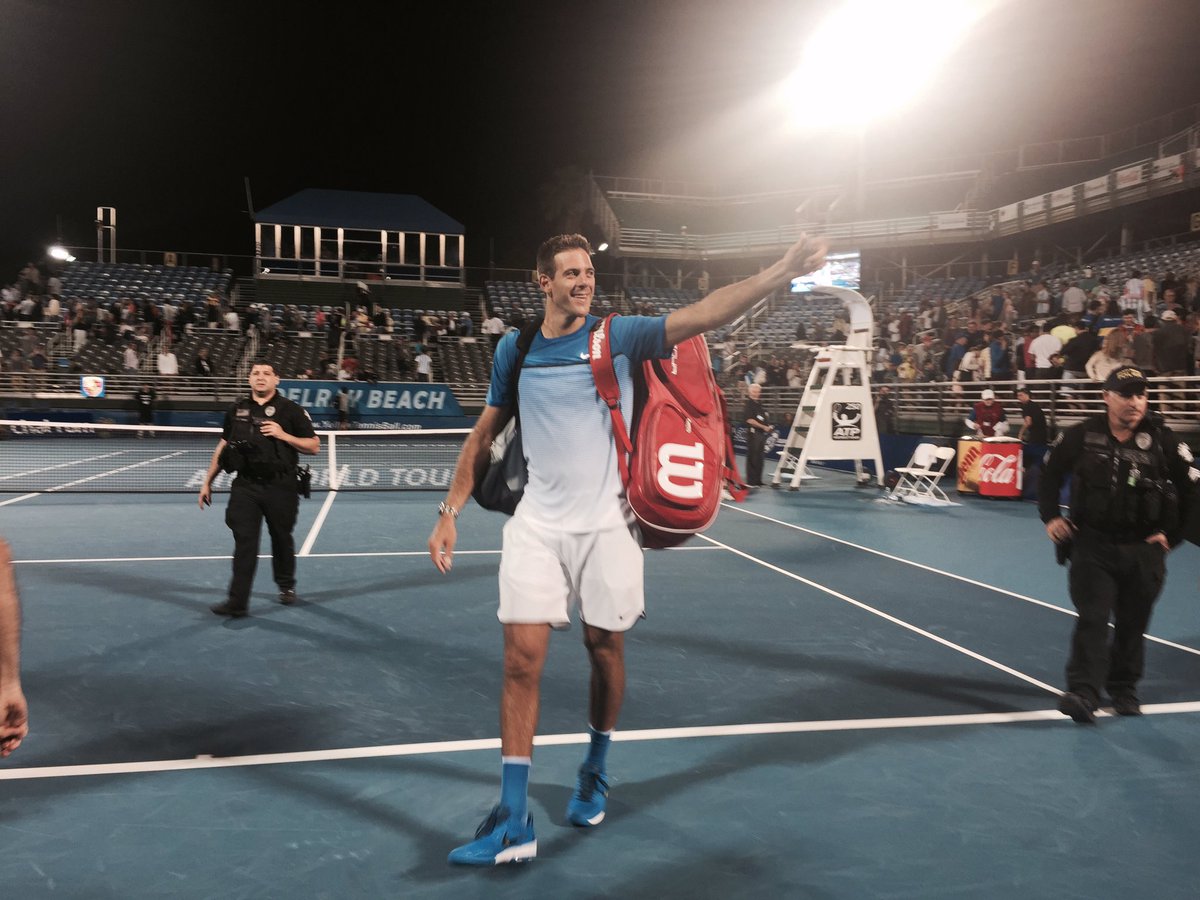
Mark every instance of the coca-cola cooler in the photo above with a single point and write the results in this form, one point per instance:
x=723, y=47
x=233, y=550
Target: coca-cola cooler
x=1000, y=468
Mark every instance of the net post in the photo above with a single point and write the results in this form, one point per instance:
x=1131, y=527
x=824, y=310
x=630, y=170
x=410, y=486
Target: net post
x=333, y=468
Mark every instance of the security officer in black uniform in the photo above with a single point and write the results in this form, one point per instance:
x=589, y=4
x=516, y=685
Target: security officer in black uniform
x=758, y=426
x=263, y=434
x=1130, y=480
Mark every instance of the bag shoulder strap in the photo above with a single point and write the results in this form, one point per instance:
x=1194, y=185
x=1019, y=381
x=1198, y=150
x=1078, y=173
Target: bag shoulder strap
x=524, y=342
x=605, y=376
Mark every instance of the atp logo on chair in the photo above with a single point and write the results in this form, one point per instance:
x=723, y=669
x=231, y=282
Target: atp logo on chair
x=847, y=421
x=690, y=470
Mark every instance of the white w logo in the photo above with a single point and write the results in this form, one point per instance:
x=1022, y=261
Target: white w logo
x=683, y=471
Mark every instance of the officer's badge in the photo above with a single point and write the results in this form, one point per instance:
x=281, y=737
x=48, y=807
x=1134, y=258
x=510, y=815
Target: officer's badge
x=1143, y=440
x=1185, y=452
x=270, y=411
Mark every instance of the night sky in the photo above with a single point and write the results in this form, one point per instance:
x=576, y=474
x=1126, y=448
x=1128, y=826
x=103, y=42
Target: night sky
x=160, y=109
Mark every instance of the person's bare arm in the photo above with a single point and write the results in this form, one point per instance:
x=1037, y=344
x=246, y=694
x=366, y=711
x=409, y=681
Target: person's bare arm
x=725, y=304
x=14, y=712
x=472, y=460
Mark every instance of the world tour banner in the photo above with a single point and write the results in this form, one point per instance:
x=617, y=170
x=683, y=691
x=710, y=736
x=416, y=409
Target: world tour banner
x=393, y=401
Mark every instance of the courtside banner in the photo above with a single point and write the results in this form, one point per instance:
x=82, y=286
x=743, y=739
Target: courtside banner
x=395, y=401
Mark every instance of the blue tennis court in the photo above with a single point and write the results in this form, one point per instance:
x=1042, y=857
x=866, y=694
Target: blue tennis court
x=831, y=697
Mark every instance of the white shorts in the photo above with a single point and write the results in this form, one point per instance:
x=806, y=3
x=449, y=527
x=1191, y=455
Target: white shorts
x=545, y=573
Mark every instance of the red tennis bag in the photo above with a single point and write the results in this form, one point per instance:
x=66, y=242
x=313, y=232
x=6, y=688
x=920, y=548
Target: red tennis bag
x=680, y=456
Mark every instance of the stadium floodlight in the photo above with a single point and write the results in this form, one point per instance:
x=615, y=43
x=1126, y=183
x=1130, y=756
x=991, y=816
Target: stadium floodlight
x=603, y=246
x=58, y=251
x=871, y=58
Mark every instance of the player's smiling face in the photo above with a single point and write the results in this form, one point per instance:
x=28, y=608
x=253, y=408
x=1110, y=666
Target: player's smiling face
x=570, y=290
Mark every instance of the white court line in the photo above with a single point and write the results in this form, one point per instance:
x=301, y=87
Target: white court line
x=306, y=549
x=559, y=740
x=913, y=628
x=18, y=499
x=936, y=571
x=74, y=462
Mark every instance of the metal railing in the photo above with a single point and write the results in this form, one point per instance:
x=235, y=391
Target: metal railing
x=938, y=408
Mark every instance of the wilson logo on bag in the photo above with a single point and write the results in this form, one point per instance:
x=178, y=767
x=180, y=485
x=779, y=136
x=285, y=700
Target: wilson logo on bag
x=680, y=456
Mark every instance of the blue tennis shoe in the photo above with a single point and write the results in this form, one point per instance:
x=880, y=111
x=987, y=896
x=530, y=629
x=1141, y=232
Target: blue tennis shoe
x=591, y=794
x=498, y=840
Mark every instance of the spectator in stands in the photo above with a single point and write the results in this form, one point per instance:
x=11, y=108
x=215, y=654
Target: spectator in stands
x=1171, y=301
x=1134, y=288
x=975, y=365
x=801, y=332
x=466, y=325
x=1077, y=351
x=1109, y=358
x=818, y=334
x=37, y=360
x=424, y=366
x=168, y=362
x=493, y=327
x=1088, y=282
x=1172, y=346
x=231, y=320
x=1001, y=357
x=953, y=357
x=1074, y=299
x=1044, y=348
x=129, y=359
x=212, y=311
x=185, y=318
x=1190, y=299
x=1143, y=348
x=203, y=366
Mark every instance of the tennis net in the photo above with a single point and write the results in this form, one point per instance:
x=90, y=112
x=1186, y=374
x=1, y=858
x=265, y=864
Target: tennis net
x=70, y=457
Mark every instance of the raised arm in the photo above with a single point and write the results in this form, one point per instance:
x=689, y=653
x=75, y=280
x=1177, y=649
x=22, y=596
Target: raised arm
x=725, y=304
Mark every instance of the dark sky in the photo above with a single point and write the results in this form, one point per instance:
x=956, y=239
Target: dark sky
x=160, y=109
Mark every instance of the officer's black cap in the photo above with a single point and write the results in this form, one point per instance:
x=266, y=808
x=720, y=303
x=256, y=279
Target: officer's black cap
x=1126, y=381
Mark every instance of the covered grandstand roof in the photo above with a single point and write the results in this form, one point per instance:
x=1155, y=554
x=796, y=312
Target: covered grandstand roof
x=359, y=210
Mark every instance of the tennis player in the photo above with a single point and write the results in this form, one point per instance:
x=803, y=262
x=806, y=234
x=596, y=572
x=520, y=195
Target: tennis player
x=572, y=542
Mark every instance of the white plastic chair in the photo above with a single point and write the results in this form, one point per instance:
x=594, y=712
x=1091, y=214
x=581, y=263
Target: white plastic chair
x=919, y=479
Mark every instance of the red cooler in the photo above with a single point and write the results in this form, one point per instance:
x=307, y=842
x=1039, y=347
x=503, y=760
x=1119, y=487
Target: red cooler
x=1000, y=468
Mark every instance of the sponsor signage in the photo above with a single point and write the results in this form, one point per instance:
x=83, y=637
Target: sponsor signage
x=393, y=400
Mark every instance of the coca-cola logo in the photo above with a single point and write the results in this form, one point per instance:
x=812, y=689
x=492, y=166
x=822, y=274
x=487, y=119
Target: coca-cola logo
x=998, y=468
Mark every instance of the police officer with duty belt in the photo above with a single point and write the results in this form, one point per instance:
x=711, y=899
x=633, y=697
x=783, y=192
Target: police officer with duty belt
x=1129, y=482
x=262, y=435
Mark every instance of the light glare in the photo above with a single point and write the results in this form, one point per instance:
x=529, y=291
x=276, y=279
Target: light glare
x=872, y=58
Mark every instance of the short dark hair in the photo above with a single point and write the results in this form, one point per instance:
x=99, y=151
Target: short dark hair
x=262, y=362
x=551, y=247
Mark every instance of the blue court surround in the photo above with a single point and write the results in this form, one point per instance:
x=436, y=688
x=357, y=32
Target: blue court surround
x=848, y=786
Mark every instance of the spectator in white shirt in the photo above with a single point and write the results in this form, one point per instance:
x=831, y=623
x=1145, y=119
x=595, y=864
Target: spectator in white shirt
x=424, y=366
x=1043, y=348
x=168, y=362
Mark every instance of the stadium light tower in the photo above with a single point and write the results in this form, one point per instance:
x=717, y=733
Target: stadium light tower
x=59, y=252
x=871, y=58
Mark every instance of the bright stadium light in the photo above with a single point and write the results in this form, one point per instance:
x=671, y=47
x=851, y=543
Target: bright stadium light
x=58, y=251
x=872, y=58
x=603, y=246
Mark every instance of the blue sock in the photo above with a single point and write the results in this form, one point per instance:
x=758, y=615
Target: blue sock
x=598, y=751
x=514, y=785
